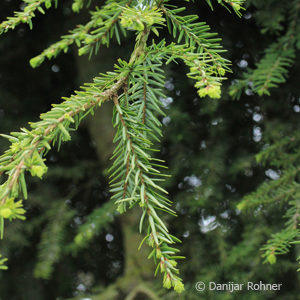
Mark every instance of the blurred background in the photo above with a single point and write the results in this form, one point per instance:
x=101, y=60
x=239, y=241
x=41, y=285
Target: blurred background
x=73, y=244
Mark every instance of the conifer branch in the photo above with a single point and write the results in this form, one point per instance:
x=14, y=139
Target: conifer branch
x=236, y=5
x=78, y=5
x=135, y=173
x=141, y=190
x=26, y=15
x=272, y=69
x=284, y=190
x=273, y=191
x=2, y=263
x=209, y=67
x=98, y=31
x=52, y=239
x=28, y=147
x=95, y=223
x=38, y=142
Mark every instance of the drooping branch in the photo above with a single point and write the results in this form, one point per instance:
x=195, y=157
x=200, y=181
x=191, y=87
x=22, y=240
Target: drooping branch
x=136, y=173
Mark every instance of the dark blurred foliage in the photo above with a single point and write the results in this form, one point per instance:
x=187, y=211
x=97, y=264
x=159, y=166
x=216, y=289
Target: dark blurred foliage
x=209, y=146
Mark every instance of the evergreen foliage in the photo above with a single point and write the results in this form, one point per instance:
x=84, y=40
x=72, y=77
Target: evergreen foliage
x=95, y=222
x=223, y=165
x=271, y=70
x=135, y=88
x=284, y=191
x=28, y=13
x=52, y=239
